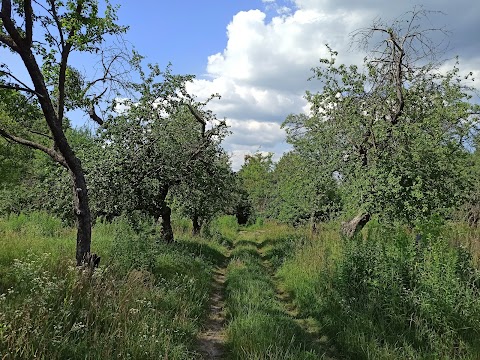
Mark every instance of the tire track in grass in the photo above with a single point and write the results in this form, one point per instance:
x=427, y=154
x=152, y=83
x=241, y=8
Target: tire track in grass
x=309, y=326
x=263, y=320
x=211, y=341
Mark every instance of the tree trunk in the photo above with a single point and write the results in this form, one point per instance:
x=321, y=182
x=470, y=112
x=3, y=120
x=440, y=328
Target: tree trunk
x=166, y=231
x=61, y=152
x=352, y=227
x=163, y=213
x=196, y=225
x=83, y=217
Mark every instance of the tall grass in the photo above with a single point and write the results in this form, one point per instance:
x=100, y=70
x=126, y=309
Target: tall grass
x=146, y=301
x=258, y=326
x=387, y=296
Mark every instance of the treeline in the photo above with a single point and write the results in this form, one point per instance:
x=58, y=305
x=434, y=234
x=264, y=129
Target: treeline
x=394, y=139
x=143, y=161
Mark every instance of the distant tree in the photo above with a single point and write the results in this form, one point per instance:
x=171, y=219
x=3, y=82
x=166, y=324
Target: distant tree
x=255, y=178
x=160, y=141
x=301, y=193
x=208, y=191
x=44, y=34
x=394, y=131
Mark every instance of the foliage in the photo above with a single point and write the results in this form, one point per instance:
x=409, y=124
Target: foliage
x=394, y=130
x=156, y=143
x=300, y=194
x=208, y=191
x=50, y=309
x=255, y=177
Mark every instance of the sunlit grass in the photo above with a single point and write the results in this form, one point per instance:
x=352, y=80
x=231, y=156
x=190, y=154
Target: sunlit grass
x=146, y=301
x=385, y=296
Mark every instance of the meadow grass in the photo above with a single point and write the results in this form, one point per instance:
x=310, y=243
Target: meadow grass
x=384, y=295
x=146, y=301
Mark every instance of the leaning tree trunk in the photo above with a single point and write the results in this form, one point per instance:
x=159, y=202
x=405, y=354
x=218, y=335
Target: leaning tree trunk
x=196, y=225
x=352, y=227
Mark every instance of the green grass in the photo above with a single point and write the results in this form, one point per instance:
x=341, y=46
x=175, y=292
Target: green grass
x=259, y=327
x=146, y=301
x=385, y=297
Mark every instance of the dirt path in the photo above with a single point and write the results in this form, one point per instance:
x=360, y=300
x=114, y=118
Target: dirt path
x=211, y=341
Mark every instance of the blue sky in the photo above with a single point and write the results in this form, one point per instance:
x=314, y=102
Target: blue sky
x=183, y=32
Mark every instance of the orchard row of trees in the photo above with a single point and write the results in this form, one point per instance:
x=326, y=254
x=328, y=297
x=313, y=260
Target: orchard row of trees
x=396, y=138
x=154, y=143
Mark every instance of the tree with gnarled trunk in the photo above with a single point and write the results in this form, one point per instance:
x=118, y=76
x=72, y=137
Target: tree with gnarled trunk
x=393, y=132
x=44, y=34
x=159, y=141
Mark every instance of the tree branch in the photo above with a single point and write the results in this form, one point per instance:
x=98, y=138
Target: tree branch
x=94, y=116
x=21, y=87
x=52, y=153
x=7, y=40
x=18, y=88
x=27, y=6
x=197, y=116
x=9, y=25
x=63, y=67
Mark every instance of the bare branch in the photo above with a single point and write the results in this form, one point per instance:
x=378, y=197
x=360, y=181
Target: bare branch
x=41, y=134
x=17, y=87
x=20, y=86
x=93, y=115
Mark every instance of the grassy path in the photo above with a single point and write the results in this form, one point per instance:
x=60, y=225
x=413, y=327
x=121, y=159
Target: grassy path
x=263, y=321
x=310, y=326
x=211, y=341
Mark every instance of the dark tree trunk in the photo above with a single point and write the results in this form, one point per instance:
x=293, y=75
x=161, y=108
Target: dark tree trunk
x=61, y=152
x=83, y=217
x=163, y=214
x=166, y=231
x=64, y=154
x=352, y=227
x=196, y=225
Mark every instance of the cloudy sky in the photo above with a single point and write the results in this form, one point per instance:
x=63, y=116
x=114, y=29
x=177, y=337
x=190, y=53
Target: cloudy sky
x=258, y=53
x=261, y=60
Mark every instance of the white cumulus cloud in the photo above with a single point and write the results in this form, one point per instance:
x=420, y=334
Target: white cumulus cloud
x=262, y=72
